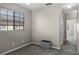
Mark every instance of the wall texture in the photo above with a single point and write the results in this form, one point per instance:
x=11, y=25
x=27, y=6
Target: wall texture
x=10, y=37
x=45, y=25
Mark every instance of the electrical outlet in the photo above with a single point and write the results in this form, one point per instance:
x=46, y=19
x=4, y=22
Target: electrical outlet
x=13, y=44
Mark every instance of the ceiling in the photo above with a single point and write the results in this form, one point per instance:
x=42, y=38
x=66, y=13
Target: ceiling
x=35, y=6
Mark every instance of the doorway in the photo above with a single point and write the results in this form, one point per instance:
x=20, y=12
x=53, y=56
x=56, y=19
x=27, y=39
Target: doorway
x=70, y=18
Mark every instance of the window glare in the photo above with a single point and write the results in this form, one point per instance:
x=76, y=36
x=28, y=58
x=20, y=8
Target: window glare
x=10, y=28
x=3, y=11
x=16, y=27
x=3, y=28
x=10, y=12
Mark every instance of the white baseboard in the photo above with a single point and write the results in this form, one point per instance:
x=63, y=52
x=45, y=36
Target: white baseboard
x=56, y=47
x=23, y=46
x=52, y=47
x=35, y=43
x=15, y=49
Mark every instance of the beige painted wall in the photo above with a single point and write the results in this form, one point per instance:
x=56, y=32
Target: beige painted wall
x=45, y=25
x=7, y=38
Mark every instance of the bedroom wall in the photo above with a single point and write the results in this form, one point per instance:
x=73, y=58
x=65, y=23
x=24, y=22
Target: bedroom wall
x=7, y=38
x=45, y=25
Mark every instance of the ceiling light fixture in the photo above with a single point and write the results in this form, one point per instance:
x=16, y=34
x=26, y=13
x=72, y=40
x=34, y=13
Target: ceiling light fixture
x=69, y=7
x=28, y=3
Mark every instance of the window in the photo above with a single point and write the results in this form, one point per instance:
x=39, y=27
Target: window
x=3, y=19
x=11, y=20
x=19, y=22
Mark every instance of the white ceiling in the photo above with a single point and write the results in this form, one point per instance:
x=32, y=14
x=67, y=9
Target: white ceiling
x=33, y=6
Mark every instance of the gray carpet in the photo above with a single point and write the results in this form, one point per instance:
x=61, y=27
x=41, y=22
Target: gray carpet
x=32, y=49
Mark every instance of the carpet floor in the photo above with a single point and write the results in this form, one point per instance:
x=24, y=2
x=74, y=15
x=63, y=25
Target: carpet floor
x=33, y=49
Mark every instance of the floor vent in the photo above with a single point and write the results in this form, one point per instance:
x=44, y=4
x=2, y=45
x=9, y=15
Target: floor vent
x=46, y=44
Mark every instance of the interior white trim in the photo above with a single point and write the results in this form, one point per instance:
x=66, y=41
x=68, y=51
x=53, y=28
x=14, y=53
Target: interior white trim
x=22, y=47
x=15, y=49
x=52, y=47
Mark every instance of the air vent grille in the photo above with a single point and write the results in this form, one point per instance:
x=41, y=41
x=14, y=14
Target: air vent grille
x=47, y=4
